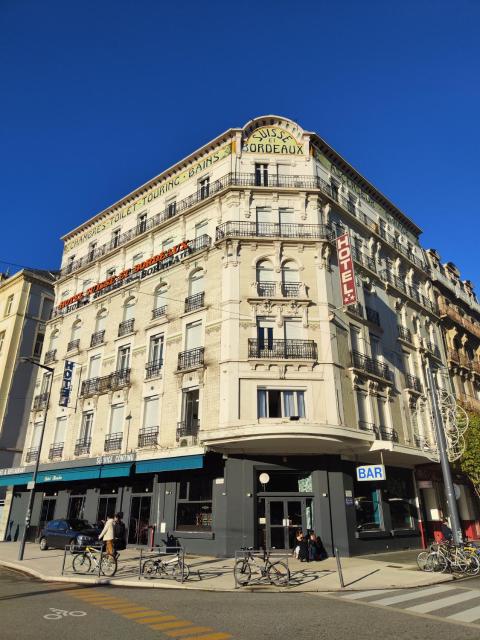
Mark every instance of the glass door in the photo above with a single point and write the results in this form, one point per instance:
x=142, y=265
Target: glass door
x=283, y=516
x=139, y=520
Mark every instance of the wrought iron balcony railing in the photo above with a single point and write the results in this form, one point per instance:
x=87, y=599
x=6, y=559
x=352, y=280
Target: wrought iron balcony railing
x=148, y=437
x=291, y=289
x=368, y=426
x=97, y=338
x=126, y=327
x=82, y=446
x=191, y=359
x=55, y=451
x=195, y=302
x=433, y=349
x=247, y=229
x=371, y=366
x=32, y=455
x=410, y=291
x=116, y=380
x=404, y=334
x=388, y=434
x=373, y=316
x=159, y=312
x=153, y=369
x=50, y=356
x=282, y=349
x=356, y=309
x=412, y=382
x=188, y=428
x=40, y=402
x=266, y=289
x=364, y=260
x=113, y=441
x=73, y=344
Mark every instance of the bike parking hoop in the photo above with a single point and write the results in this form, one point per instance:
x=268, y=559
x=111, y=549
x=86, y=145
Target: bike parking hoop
x=256, y=567
x=163, y=562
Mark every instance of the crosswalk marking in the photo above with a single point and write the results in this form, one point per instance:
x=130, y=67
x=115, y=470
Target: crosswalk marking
x=404, y=597
x=172, y=625
x=426, y=607
x=153, y=619
x=358, y=595
x=470, y=615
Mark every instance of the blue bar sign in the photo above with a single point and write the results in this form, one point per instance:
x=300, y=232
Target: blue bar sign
x=371, y=472
x=66, y=383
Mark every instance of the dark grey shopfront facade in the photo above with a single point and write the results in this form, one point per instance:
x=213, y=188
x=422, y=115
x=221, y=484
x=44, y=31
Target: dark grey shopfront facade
x=215, y=504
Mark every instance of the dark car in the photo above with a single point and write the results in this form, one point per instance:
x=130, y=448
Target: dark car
x=59, y=533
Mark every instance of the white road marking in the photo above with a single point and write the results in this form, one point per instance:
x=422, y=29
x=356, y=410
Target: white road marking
x=357, y=595
x=470, y=615
x=58, y=614
x=404, y=597
x=426, y=607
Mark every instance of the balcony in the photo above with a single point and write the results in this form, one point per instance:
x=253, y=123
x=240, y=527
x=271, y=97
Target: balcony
x=453, y=314
x=112, y=382
x=97, y=338
x=73, y=345
x=368, y=426
x=292, y=289
x=50, y=356
x=373, y=316
x=126, y=327
x=433, y=349
x=282, y=349
x=388, y=434
x=113, y=441
x=412, y=382
x=82, y=446
x=405, y=251
x=153, y=369
x=246, y=229
x=410, y=291
x=364, y=260
x=356, y=309
x=40, y=402
x=188, y=429
x=266, y=289
x=56, y=451
x=159, y=312
x=195, y=302
x=148, y=437
x=371, y=366
x=404, y=334
x=32, y=455
x=191, y=359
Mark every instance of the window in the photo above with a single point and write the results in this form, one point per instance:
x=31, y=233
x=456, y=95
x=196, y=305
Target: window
x=60, y=430
x=91, y=251
x=204, y=188
x=293, y=329
x=193, y=335
x=264, y=220
x=2, y=340
x=109, y=273
x=9, y=305
x=115, y=238
x=194, y=505
x=86, y=427
x=156, y=350
x=94, y=366
x=47, y=306
x=123, y=360
x=75, y=332
x=290, y=278
x=167, y=244
x=171, y=208
x=261, y=175
x=355, y=339
x=159, y=300
x=368, y=507
x=106, y=508
x=101, y=320
x=265, y=328
x=201, y=228
x=70, y=263
x=142, y=222
x=281, y=403
x=36, y=434
x=195, y=283
x=37, y=348
x=334, y=190
x=265, y=278
x=287, y=218
x=45, y=383
x=364, y=421
x=190, y=404
x=150, y=412
x=116, y=418
x=137, y=258
x=401, y=500
x=129, y=309
x=375, y=347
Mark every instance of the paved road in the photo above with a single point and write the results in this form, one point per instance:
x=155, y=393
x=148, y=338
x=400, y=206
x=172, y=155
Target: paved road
x=146, y=614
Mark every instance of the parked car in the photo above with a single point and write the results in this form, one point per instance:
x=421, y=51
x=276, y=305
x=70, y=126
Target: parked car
x=59, y=533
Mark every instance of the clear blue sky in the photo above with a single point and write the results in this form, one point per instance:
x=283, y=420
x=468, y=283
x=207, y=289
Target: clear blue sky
x=98, y=97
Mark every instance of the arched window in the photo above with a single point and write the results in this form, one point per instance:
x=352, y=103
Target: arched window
x=129, y=309
x=101, y=320
x=160, y=300
x=76, y=327
x=195, y=283
x=53, y=341
x=265, y=278
x=290, y=278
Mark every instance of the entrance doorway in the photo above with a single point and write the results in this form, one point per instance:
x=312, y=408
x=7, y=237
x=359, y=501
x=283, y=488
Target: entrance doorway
x=279, y=519
x=47, y=512
x=76, y=506
x=139, y=520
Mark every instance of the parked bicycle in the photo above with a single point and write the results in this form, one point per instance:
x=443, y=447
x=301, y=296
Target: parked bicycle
x=253, y=565
x=166, y=566
x=445, y=556
x=95, y=560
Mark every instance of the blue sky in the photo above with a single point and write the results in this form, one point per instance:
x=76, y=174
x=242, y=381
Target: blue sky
x=98, y=97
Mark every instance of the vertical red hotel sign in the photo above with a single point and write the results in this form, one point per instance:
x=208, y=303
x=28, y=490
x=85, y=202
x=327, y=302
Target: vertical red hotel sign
x=347, y=274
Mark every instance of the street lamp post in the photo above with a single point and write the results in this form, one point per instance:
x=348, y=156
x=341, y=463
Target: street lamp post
x=35, y=470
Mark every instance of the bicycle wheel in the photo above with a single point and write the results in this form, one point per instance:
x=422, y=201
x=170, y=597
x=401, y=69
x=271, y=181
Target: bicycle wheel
x=242, y=572
x=150, y=569
x=422, y=559
x=177, y=571
x=278, y=574
x=82, y=563
x=469, y=564
x=108, y=565
x=436, y=562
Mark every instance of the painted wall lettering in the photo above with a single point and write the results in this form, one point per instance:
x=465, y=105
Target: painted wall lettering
x=273, y=140
x=347, y=274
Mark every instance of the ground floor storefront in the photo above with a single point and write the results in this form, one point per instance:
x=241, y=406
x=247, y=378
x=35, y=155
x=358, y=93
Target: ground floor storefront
x=215, y=504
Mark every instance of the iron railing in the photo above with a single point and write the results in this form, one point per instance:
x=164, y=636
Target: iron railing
x=82, y=446
x=188, y=428
x=153, y=368
x=73, y=344
x=126, y=327
x=191, y=358
x=371, y=365
x=113, y=441
x=388, y=434
x=410, y=291
x=148, y=437
x=357, y=309
x=373, y=316
x=412, y=382
x=404, y=333
x=97, y=338
x=266, y=289
x=367, y=426
x=116, y=380
x=363, y=259
x=159, y=312
x=247, y=229
x=433, y=349
x=282, y=349
x=50, y=356
x=195, y=302
x=32, y=454
x=56, y=450
x=40, y=402
x=291, y=289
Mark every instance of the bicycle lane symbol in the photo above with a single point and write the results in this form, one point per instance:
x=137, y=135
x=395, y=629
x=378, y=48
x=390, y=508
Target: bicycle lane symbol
x=58, y=614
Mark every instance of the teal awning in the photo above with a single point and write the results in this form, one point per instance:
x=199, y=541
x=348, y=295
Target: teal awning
x=120, y=469
x=117, y=470
x=15, y=478
x=71, y=473
x=170, y=464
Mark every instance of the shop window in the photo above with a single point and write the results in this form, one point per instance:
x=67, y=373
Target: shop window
x=281, y=403
x=400, y=498
x=106, y=508
x=368, y=507
x=194, y=505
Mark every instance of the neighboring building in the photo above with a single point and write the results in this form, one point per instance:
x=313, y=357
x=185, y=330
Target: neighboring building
x=204, y=317
x=26, y=303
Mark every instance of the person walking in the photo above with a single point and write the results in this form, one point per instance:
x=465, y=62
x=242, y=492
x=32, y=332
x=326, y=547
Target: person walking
x=108, y=534
x=119, y=531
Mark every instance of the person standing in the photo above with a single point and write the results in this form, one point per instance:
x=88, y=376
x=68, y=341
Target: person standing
x=107, y=534
x=119, y=530
x=446, y=530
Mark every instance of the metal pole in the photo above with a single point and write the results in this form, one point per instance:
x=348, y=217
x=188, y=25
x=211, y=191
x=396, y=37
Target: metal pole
x=37, y=461
x=339, y=568
x=442, y=450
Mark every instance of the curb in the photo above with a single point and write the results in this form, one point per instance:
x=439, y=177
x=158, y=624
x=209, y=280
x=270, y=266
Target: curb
x=165, y=585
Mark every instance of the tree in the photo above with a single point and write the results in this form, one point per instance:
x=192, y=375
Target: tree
x=470, y=461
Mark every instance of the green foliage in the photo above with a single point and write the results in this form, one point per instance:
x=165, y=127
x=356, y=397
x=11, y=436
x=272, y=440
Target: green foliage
x=470, y=461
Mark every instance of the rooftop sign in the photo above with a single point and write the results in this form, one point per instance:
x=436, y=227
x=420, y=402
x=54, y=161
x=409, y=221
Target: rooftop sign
x=273, y=140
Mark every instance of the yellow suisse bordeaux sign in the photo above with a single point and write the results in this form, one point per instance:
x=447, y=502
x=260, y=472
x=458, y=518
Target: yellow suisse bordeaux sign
x=159, y=190
x=273, y=140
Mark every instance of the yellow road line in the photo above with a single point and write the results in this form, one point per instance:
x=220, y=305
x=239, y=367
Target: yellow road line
x=156, y=619
x=123, y=608
x=177, y=633
x=172, y=625
x=211, y=636
x=140, y=614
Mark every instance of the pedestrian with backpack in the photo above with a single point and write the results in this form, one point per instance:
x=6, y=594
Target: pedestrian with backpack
x=119, y=532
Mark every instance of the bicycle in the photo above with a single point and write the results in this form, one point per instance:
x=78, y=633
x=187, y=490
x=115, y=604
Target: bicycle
x=173, y=568
x=104, y=563
x=276, y=572
x=445, y=556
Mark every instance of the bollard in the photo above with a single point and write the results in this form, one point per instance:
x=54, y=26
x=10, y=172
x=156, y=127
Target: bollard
x=339, y=568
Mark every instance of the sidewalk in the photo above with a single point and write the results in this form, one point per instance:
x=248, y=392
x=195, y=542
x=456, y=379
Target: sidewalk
x=216, y=574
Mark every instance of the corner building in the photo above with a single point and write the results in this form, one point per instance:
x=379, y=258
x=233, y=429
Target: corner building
x=204, y=317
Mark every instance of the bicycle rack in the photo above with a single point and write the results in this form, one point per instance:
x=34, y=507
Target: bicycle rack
x=71, y=551
x=259, y=553
x=153, y=553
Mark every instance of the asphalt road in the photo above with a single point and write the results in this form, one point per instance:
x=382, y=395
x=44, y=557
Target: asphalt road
x=164, y=614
